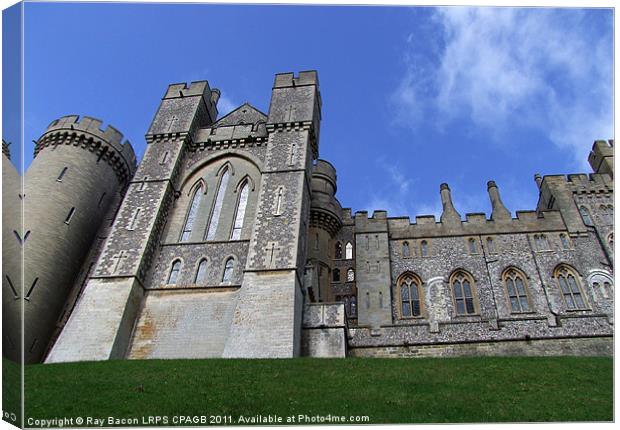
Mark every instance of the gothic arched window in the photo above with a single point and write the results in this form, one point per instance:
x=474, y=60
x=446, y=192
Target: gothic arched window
x=462, y=286
x=338, y=250
x=336, y=275
x=350, y=275
x=516, y=288
x=174, y=272
x=406, y=252
x=228, y=270
x=410, y=293
x=217, y=207
x=348, y=251
x=585, y=215
x=191, y=214
x=424, y=248
x=201, y=273
x=569, y=287
x=242, y=204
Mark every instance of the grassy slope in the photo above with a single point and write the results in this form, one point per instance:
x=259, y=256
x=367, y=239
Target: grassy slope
x=387, y=390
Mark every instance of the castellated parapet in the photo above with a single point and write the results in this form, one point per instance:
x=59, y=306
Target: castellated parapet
x=79, y=170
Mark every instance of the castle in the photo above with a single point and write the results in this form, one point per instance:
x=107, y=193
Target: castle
x=227, y=240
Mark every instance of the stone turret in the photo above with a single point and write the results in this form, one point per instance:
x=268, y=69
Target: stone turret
x=78, y=171
x=325, y=221
x=499, y=211
x=11, y=257
x=601, y=157
x=449, y=214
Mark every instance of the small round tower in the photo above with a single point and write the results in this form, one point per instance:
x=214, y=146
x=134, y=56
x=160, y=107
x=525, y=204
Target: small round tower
x=325, y=221
x=78, y=171
x=11, y=257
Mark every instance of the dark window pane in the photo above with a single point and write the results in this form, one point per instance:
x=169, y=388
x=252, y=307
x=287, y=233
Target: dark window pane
x=404, y=293
x=460, y=307
x=406, y=309
x=580, y=302
x=570, y=303
x=466, y=289
x=563, y=285
x=524, y=304
x=414, y=291
x=457, y=290
x=416, y=308
x=573, y=284
x=520, y=287
x=470, y=306
x=511, y=287
x=514, y=303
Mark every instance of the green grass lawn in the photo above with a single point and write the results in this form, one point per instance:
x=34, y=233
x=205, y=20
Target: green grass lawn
x=450, y=390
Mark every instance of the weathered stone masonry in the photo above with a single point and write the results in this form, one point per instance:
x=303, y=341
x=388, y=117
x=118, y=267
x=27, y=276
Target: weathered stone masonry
x=227, y=240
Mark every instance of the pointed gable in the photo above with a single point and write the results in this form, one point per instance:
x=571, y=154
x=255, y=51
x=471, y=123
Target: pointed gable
x=244, y=114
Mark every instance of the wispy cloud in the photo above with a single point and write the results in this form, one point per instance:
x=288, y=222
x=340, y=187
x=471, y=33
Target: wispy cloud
x=544, y=69
x=226, y=105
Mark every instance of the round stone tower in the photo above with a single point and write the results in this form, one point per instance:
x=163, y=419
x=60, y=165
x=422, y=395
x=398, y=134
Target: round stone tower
x=325, y=221
x=77, y=172
x=11, y=257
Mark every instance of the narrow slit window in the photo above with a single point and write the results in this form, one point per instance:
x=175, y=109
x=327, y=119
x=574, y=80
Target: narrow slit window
x=174, y=272
x=585, y=216
x=564, y=240
x=240, y=214
x=336, y=275
x=472, y=246
x=490, y=245
x=406, y=252
x=349, y=251
x=338, y=250
x=279, y=201
x=228, y=270
x=31, y=289
x=201, y=273
x=191, y=214
x=134, y=220
x=62, y=174
x=217, y=208
x=164, y=158
x=424, y=248
x=69, y=215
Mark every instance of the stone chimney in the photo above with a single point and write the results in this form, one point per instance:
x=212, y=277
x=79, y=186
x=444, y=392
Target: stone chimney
x=499, y=210
x=449, y=213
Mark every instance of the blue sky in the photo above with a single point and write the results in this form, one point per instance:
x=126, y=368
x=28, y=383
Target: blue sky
x=412, y=97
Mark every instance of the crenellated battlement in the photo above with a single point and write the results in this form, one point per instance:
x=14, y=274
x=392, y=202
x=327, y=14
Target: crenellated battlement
x=474, y=224
x=87, y=133
x=308, y=77
x=580, y=182
x=5, y=149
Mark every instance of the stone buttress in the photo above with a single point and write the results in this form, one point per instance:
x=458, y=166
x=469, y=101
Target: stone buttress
x=267, y=318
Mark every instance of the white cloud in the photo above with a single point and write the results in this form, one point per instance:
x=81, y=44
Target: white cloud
x=545, y=69
x=226, y=105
